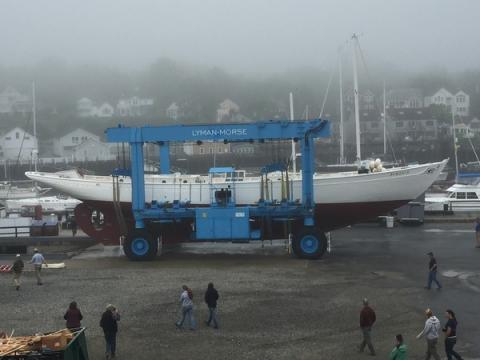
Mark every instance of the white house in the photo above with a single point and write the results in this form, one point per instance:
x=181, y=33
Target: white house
x=134, y=106
x=459, y=103
x=17, y=144
x=85, y=107
x=104, y=111
x=64, y=146
x=226, y=110
x=173, y=111
x=405, y=98
x=11, y=101
x=92, y=150
x=441, y=97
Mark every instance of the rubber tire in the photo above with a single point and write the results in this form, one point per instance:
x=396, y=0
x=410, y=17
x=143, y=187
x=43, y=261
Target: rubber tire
x=139, y=235
x=315, y=252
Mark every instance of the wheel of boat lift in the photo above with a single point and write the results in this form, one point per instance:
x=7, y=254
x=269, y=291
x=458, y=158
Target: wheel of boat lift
x=309, y=243
x=140, y=245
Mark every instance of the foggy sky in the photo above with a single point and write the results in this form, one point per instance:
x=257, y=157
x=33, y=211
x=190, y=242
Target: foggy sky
x=241, y=35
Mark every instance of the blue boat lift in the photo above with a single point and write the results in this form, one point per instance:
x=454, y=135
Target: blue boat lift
x=223, y=219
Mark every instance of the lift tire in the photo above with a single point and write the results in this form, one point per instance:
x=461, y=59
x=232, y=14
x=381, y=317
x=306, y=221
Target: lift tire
x=140, y=245
x=309, y=244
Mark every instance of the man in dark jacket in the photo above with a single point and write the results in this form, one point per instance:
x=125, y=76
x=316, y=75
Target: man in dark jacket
x=367, y=319
x=211, y=297
x=17, y=270
x=109, y=325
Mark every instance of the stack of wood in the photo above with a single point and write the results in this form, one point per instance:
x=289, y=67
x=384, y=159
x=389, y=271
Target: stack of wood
x=22, y=345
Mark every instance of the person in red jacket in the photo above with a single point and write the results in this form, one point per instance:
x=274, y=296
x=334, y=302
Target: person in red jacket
x=73, y=316
x=367, y=319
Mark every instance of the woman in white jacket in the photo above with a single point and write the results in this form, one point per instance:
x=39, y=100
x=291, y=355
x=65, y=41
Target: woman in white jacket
x=431, y=331
x=186, y=301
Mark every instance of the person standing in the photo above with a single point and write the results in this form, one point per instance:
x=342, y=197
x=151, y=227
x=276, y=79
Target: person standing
x=367, y=319
x=186, y=301
x=431, y=332
x=399, y=352
x=432, y=272
x=450, y=330
x=109, y=325
x=17, y=269
x=211, y=297
x=73, y=316
x=38, y=260
x=477, y=233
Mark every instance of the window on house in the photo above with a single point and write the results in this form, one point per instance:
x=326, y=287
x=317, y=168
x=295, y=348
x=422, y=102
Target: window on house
x=374, y=125
x=17, y=135
x=429, y=123
x=399, y=124
x=8, y=138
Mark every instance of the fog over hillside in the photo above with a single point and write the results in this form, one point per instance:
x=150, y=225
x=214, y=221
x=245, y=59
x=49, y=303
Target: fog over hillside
x=241, y=36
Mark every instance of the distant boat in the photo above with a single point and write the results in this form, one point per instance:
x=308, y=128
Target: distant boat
x=10, y=191
x=49, y=204
x=458, y=198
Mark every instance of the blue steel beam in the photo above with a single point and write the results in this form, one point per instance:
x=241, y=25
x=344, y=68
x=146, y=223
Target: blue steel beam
x=304, y=131
x=267, y=130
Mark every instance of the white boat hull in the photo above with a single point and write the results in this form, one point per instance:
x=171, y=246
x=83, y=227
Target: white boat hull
x=404, y=183
x=341, y=199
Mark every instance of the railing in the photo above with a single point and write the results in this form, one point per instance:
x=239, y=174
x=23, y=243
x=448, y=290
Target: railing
x=15, y=231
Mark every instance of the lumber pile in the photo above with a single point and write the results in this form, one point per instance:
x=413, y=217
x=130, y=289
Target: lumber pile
x=22, y=345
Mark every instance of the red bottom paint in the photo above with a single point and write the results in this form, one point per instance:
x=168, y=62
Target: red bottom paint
x=328, y=217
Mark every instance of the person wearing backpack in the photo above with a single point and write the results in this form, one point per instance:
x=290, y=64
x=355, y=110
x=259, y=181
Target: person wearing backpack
x=399, y=352
x=431, y=332
x=186, y=302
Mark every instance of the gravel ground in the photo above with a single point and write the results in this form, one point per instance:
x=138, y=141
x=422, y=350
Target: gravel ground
x=271, y=306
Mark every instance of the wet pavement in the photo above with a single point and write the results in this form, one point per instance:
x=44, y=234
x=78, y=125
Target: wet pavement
x=272, y=306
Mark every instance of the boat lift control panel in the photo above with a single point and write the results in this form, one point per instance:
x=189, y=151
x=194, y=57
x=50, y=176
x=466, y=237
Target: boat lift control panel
x=223, y=219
